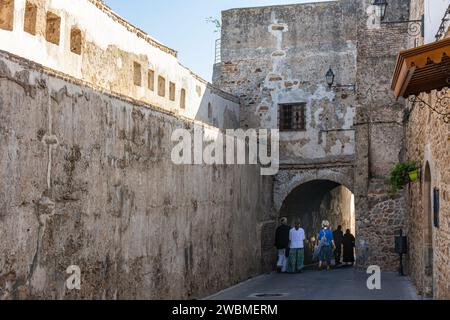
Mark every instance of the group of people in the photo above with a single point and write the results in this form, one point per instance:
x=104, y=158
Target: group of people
x=290, y=243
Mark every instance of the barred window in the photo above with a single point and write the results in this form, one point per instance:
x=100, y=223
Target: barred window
x=292, y=117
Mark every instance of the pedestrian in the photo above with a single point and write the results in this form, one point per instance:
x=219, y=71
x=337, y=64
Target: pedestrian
x=282, y=244
x=296, y=249
x=338, y=237
x=349, y=245
x=326, y=245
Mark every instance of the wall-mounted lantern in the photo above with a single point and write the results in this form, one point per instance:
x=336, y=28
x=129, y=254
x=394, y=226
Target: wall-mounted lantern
x=330, y=76
x=415, y=27
x=381, y=6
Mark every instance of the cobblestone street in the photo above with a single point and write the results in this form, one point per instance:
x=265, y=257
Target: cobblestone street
x=339, y=284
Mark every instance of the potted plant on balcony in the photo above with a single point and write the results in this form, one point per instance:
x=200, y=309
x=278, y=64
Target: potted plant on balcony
x=402, y=174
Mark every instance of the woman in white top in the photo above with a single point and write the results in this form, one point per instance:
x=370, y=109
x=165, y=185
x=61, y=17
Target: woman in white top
x=296, y=251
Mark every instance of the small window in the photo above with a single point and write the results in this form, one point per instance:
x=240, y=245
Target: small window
x=292, y=117
x=210, y=111
x=53, y=28
x=172, y=91
x=7, y=14
x=151, y=80
x=75, y=40
x=137, y=76
x=183, y=99
x=161, y=86
x=30, y=18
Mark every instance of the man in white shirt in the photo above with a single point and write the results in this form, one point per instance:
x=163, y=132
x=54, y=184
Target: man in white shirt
x=296, y=251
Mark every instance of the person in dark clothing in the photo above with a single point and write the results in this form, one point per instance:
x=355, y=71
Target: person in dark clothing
x=282, y=244
x=349, y=245
x=338, y=237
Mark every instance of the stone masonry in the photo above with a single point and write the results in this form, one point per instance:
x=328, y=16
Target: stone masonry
x=428, y=143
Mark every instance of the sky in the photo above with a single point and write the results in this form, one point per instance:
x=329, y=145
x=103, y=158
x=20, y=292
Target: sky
x=182, y=26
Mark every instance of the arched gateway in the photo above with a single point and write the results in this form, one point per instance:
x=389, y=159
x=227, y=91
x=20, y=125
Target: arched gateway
x=315, y=195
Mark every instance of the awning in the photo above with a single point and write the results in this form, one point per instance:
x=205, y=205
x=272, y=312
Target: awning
x=422, y=69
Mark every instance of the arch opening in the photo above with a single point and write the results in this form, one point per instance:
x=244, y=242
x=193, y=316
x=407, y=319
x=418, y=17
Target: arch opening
x=315, y=201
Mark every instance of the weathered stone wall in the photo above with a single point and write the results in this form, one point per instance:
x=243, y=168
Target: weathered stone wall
x=379, y=135
x=86, y=179
x=114, y=55
x=428, y=143
x=280, y=54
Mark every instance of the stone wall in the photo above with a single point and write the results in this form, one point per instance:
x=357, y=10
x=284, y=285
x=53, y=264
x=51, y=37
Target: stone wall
x=379, y=135
x=86, y=179
x=90, y=42
x=428, y=143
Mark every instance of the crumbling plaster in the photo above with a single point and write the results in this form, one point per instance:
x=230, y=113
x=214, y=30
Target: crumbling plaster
x=110, y=47
x=274, y=55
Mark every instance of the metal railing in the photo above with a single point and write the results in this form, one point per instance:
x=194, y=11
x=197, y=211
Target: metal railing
x=441, y=29
x=218, y=53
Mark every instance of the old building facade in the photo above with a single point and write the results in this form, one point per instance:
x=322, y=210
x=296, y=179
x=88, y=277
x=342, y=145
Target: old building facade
x=88, y=103
x=347, y=135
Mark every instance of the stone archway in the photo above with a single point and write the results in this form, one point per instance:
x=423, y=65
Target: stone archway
x=315, y=195
x=288, y=180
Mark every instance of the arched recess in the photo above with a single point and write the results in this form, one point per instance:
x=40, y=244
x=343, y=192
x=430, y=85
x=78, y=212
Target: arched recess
x=287, y=181
x=315, y=201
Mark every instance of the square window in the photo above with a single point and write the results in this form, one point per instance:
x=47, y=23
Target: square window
x=292, y=117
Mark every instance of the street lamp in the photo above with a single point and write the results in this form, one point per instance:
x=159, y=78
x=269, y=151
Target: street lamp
x=381, y=6
x=329, y=77
x=415, y=27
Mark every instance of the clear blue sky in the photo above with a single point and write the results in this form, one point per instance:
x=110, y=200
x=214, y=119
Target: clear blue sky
x=181, y=25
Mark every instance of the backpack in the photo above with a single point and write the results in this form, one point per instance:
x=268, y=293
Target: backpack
x=324, y=240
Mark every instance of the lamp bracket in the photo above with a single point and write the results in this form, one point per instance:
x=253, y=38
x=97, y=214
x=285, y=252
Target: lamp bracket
x=440, y=107
x=349, y=86
x=415, y=27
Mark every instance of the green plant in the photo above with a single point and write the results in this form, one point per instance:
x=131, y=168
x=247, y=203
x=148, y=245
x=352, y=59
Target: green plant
x=399, y=175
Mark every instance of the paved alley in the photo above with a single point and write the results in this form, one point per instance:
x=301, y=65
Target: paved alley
x=339, y=284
